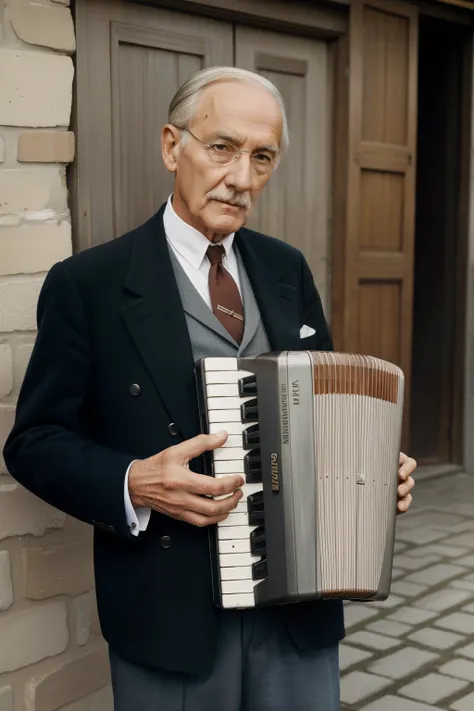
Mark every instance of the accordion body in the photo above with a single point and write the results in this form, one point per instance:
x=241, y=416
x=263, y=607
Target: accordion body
x=316, y=437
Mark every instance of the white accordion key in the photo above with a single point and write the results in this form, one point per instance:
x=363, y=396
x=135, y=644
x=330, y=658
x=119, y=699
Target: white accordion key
x=227, y=390
x=232, y=428
x=243, y=572
x=235, y=519
x=232, y=441
x=224, y=417
x=238, y=601
x=216, y=377
x=220, y=364
x=233, y=466
x=238, y=586
x=237, y=560
x=222, y=454
x=226, y=403
x=240, y=545
x=231, y=533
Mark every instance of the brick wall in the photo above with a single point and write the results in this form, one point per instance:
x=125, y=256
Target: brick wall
x=51, y=653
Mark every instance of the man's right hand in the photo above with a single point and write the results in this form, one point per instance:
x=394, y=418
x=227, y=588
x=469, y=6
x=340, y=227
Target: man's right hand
x=165, y=483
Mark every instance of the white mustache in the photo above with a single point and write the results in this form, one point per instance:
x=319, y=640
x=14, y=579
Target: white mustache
x=232, y=198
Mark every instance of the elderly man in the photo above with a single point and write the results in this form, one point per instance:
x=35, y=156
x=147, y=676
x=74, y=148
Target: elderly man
x=107, y=424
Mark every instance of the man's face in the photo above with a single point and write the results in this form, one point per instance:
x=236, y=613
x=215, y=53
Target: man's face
x=214, y=198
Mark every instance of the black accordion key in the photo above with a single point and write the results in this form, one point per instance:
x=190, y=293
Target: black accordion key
x=248, y=386
x=253, y=467
x=258, y=542
x=255, y=509
x=260, y=570
x=251, y=437
x=249, y=411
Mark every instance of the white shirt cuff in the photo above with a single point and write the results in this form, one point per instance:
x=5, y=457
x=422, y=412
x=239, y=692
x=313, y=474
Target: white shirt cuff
x=137, y=518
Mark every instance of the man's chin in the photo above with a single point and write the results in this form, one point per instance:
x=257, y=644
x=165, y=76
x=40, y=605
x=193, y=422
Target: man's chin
x=227, y=221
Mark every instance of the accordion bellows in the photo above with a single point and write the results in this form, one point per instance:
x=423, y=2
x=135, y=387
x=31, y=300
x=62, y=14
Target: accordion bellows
x=316, y=436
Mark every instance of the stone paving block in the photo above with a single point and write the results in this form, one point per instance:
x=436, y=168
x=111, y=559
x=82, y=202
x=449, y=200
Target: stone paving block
x=399, y=546
x=469, y=608
x=457, y=622
x=436, y=639
x=443, y=599
x=411, y=563
x=373, y=640
x=467, y=560
x=389, y=603
x=462, y=585
x=395, y=703
x=356, y=686
x=464, y=540
x=351, y=655
x=389, y=628
x=398, y=573
x=467, y=651
x=464, y=704
x=434, y=519
x=462, y=527
x=411, y=616
x=436, y=574
x=401, y=587
x=459, y=668
x=419, y=536
x=432, y=688
x=438, y=549
x=355, y=613
x=403, y=662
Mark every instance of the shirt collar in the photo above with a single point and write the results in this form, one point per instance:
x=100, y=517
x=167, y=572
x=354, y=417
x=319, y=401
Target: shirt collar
x=191, y=244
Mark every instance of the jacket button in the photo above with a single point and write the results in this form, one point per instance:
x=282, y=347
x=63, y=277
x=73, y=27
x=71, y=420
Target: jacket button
x=172, y=429
x=165, y=542
x=134, y=389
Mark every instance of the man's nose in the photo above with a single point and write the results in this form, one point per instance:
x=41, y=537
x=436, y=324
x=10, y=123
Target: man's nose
x=239, y=175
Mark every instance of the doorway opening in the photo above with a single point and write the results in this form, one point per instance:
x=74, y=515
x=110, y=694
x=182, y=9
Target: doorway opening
x=439, y=283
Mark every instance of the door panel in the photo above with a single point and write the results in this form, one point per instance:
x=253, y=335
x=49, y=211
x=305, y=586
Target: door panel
x=375, y=315
x=137, y=58
x=294, y=206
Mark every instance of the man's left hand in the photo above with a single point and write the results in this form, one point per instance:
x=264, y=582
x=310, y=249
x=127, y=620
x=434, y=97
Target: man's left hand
x=405, y=483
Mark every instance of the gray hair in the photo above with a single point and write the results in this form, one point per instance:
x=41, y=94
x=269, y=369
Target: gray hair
x=183, y=104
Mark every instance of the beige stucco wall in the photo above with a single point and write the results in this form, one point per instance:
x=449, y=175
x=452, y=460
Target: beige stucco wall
x=51, y=653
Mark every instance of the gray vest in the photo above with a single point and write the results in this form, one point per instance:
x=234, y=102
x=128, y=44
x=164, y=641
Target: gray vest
x=208, y=337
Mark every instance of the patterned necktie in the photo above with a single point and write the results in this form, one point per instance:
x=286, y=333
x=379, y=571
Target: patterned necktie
x=225, y=297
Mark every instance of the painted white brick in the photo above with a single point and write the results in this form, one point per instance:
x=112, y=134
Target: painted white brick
x=84, y=605
x=7, y=416
x=43, y=26
x=18, y=300
x=6, y=371
x=21, y=513
x=36, y=88
x=2, y=150
x=24, y=191
x=34, y=248
x=6, y=589
x=33, y=634
x=6, y=698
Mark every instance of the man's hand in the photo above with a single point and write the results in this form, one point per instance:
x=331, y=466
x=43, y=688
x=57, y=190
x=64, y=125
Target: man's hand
x=165, y=483
x=405, y=482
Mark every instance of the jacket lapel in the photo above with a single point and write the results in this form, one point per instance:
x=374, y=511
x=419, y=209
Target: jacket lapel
x=277, y=301
x=154, y=317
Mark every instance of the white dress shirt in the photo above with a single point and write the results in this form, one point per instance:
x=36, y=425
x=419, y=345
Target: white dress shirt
x=189, y=247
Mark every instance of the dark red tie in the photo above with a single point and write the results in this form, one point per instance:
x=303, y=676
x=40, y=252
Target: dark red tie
x=225, y=297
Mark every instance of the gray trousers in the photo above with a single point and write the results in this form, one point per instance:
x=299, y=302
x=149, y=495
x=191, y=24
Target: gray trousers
x=258, y=668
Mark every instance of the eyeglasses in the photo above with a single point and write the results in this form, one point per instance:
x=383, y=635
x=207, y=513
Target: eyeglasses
x=225, y=153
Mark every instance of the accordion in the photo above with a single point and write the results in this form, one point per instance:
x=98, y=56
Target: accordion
x=316, y=437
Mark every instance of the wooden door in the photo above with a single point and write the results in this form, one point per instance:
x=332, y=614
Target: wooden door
x=136, y=58
x=375, y=314
x=295, y=204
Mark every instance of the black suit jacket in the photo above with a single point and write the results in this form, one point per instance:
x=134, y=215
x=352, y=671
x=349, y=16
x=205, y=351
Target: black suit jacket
x=109, y=318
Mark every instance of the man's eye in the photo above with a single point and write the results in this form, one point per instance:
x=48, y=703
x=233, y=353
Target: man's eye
x=263, y=158
x=221, y=147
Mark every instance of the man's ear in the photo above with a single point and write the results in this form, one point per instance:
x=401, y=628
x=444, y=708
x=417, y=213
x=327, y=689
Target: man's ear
x=170, y=140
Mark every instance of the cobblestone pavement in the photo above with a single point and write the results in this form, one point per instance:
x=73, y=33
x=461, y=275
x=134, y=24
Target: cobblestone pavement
x=415, y=651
